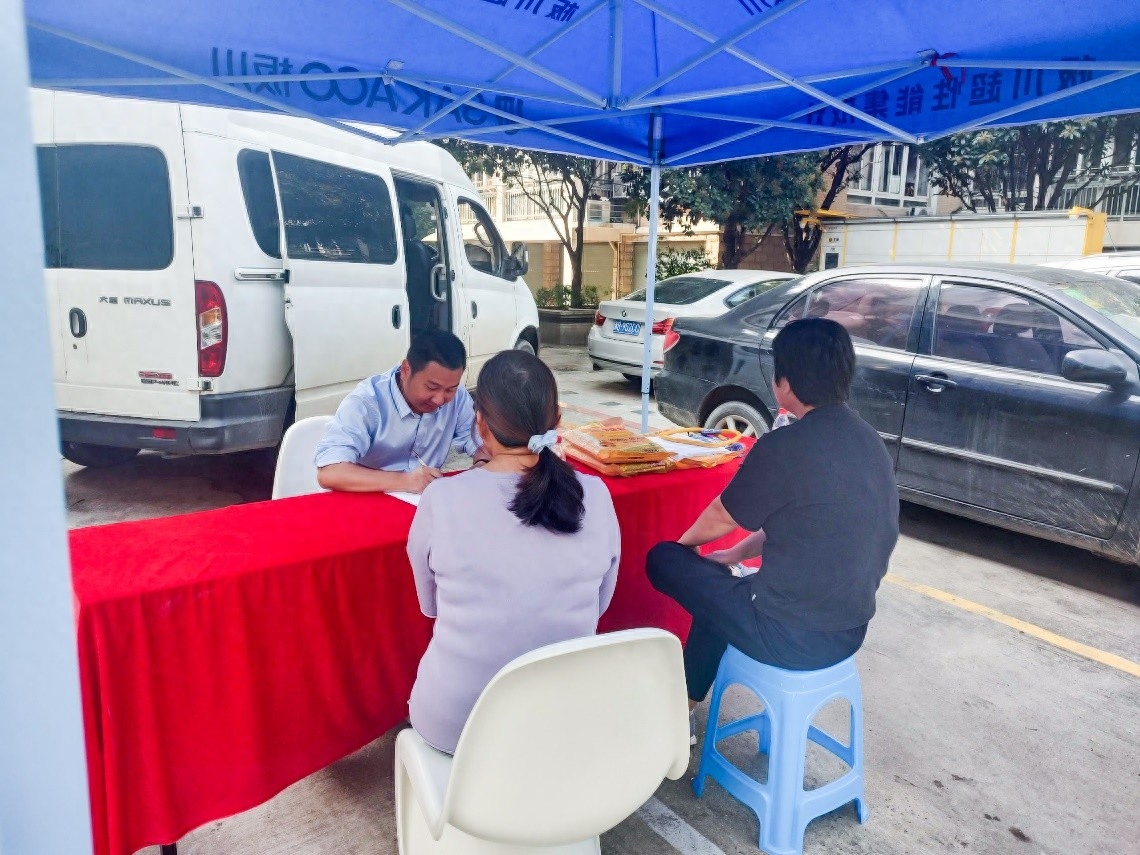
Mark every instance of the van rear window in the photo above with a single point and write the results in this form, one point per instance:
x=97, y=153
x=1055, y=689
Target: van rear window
x=106, y=207
x=334, y=214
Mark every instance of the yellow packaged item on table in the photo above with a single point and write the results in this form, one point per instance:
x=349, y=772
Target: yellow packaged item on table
x=618, y=470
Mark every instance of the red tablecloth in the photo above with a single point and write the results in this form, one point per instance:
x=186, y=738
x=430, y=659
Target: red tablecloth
x=225, y=655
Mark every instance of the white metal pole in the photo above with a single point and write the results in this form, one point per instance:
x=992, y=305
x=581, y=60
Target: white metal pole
x=43, y=776
x=650, y=288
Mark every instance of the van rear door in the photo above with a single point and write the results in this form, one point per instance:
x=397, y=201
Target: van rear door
x=119, y=259
x=345, y=304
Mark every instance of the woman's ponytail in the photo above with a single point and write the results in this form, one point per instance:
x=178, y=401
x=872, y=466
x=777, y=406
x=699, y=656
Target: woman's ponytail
x=550, y=495
x=517, y=397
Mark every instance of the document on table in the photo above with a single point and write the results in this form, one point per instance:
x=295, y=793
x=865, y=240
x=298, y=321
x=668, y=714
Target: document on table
x=410, y=498
x=688, y=451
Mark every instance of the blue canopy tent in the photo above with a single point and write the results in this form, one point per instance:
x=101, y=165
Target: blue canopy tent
x=651, y=82
x=658, y=83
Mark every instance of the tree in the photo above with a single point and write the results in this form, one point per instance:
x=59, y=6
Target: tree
x=1020, y=169
x=803, y=231
x=559, y=185
x=751, y=199
x=672, y=262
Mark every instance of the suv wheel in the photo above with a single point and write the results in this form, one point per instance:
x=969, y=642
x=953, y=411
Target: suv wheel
x=736, y=415
x=97, y=456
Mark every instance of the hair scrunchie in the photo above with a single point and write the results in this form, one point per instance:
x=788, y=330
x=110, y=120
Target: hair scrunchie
x=542, y=441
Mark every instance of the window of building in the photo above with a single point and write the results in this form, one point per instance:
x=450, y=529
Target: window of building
x=890, y=175
x=335, y=214
x=865, y=171
x=106, y=207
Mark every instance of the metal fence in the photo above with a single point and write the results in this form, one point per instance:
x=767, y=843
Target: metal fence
x=1119, y=200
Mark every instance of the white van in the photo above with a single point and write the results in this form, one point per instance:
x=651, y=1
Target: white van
x=215, y=274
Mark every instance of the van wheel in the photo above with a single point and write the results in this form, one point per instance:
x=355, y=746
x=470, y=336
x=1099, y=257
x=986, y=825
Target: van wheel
x=525, y=346
x=736, y=415
x=97, y=456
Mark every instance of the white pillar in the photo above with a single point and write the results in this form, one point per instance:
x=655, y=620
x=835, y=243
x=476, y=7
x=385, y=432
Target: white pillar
x=650, y=291
x=43, y=775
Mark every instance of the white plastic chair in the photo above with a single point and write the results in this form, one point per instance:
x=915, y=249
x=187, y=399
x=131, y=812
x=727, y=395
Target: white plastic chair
x=563, y=744
x=295, y=474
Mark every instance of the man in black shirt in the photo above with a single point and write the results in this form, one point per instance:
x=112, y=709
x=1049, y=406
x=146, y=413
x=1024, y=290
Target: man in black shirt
x=820, y=499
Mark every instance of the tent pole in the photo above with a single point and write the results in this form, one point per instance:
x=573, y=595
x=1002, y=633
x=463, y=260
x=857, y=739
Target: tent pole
x=650, y=288
x=44, y=805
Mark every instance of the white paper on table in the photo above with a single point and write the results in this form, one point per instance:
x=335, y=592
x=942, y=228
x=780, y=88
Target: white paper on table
x=685, y=451
x=410, y=498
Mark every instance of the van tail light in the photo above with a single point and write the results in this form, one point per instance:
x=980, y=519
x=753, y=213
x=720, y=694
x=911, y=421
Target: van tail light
x=213, y=329
x=599, y=319
x=672, y=337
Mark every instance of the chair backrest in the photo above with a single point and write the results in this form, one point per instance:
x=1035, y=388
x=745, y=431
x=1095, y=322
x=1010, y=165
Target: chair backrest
x=1009, y=348
x=295, y=474
x=569, y=740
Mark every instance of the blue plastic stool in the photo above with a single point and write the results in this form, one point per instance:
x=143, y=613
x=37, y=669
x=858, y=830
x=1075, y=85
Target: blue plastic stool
x=791, y=699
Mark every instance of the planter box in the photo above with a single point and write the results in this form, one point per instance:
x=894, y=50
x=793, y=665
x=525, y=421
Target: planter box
x=564, y=326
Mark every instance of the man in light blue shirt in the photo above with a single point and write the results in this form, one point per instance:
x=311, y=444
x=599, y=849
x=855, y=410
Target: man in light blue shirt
x=394, y=431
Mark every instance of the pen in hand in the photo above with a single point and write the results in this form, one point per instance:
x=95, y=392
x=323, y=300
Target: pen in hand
x=431, y=471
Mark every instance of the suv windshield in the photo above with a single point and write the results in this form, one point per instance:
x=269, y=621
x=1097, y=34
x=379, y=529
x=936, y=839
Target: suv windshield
x=1116, y=299
x=685, y=290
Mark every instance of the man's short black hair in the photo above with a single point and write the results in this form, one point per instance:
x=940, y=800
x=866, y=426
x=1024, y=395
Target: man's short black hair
x=436, y=346
x=817, y=359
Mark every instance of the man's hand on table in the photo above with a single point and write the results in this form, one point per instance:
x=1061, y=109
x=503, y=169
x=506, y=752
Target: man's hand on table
x=354, y=478
x=418, y=479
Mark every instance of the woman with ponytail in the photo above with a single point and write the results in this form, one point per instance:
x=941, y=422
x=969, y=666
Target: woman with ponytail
x=508, y=557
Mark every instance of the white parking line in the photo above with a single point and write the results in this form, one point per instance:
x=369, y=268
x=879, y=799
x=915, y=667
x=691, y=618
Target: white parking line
x=675, y=831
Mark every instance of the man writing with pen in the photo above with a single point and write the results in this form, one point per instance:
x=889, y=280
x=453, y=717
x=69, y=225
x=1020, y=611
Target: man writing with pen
x=394, y=431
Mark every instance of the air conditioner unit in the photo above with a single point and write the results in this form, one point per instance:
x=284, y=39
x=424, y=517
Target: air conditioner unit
x=597, y=212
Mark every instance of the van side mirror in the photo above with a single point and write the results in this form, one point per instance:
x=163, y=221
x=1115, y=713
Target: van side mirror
x=1095, y=366
x=520, y=260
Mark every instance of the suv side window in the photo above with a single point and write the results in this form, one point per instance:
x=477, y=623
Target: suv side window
x=481, y=242
x=334, y=214
x=994, y=327
x=875, y=311
x=106, y=207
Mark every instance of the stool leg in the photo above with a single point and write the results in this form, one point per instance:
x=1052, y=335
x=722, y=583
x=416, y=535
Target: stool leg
x=783, y=836
x=856, y=702
x=709, y=744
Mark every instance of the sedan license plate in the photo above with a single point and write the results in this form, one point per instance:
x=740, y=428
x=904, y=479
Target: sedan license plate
x=627, y=327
